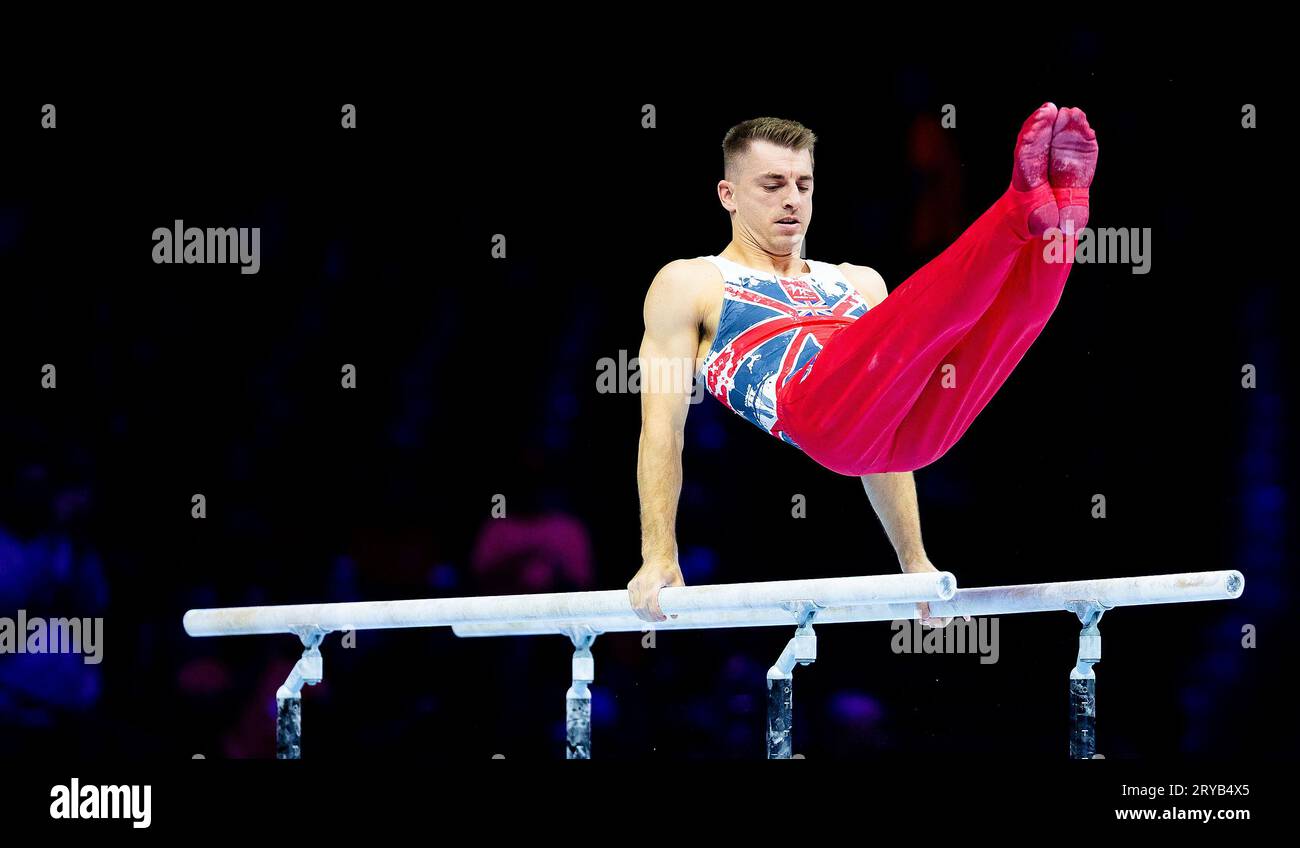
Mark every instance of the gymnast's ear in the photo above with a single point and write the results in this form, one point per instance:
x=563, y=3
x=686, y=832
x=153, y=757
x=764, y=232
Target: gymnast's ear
x=727, y=195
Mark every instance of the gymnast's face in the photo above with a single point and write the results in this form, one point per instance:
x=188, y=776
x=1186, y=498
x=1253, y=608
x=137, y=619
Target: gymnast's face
x=770, y=197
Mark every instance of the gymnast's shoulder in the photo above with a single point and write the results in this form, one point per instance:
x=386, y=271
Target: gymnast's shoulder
x=683, y=284
x=685, y=277
x=688, y=271
x=866, y=280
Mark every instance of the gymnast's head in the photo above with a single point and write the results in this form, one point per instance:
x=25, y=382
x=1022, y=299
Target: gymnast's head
x=767, y=183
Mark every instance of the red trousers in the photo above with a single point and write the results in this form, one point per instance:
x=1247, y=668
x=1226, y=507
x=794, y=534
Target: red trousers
x=881, y=396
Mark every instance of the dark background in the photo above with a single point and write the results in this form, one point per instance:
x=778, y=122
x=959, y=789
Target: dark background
x=477, y=377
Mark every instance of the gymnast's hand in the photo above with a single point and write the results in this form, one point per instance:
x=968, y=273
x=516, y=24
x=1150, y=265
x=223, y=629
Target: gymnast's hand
x=643, y=589
x=922, y=565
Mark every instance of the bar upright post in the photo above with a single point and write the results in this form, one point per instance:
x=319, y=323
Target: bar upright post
x=578, y=698
x=309, y=670
x=1083, y=682
x=801, y=650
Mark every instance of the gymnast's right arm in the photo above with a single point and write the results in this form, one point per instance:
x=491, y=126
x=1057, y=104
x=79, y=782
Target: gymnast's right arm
x=672, y=337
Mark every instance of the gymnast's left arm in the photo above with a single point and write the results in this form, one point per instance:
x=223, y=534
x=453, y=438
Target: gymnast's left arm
x=893, y=497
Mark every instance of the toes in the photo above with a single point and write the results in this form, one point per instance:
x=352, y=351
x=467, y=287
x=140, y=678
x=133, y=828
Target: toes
x=1074, y=119
x=1062, y=120
x=1044, y=116
x=1083, y=125
x=1073, y=158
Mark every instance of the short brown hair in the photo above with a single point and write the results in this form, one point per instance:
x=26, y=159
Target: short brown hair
x=778, y=131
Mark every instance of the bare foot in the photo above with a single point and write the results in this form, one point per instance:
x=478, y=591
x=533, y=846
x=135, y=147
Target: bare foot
x=1074, y=162
x=1031, y=161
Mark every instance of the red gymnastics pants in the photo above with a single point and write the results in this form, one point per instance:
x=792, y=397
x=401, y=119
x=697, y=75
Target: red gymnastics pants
x=880, y=397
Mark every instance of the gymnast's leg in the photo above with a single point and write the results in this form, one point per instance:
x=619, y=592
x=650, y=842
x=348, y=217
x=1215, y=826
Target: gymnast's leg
x=987, y=354
x=847, y=410
x=979, y=364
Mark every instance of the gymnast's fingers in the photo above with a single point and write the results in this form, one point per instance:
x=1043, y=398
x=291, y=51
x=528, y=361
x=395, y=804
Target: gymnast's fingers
x=644, y=599
x=655, y=609
x=674, y=580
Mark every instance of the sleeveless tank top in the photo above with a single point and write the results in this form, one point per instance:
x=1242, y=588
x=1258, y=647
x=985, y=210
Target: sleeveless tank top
x=770, y=332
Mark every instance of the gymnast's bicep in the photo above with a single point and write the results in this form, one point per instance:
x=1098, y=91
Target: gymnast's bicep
x=668, y=349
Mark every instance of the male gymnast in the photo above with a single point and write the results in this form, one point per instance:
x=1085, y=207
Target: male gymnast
x=866, y=382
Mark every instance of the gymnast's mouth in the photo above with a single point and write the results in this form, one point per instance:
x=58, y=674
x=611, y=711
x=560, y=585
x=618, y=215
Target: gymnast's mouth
x=788, y=221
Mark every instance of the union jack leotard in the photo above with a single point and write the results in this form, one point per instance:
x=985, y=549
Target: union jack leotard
x=770, y=332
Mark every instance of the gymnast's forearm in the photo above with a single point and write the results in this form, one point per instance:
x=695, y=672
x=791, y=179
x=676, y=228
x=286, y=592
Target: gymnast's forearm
x=659, y=484
x=893, y=496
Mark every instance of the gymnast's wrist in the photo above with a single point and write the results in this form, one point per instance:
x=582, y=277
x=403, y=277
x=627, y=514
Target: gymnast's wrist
x=914, y=559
